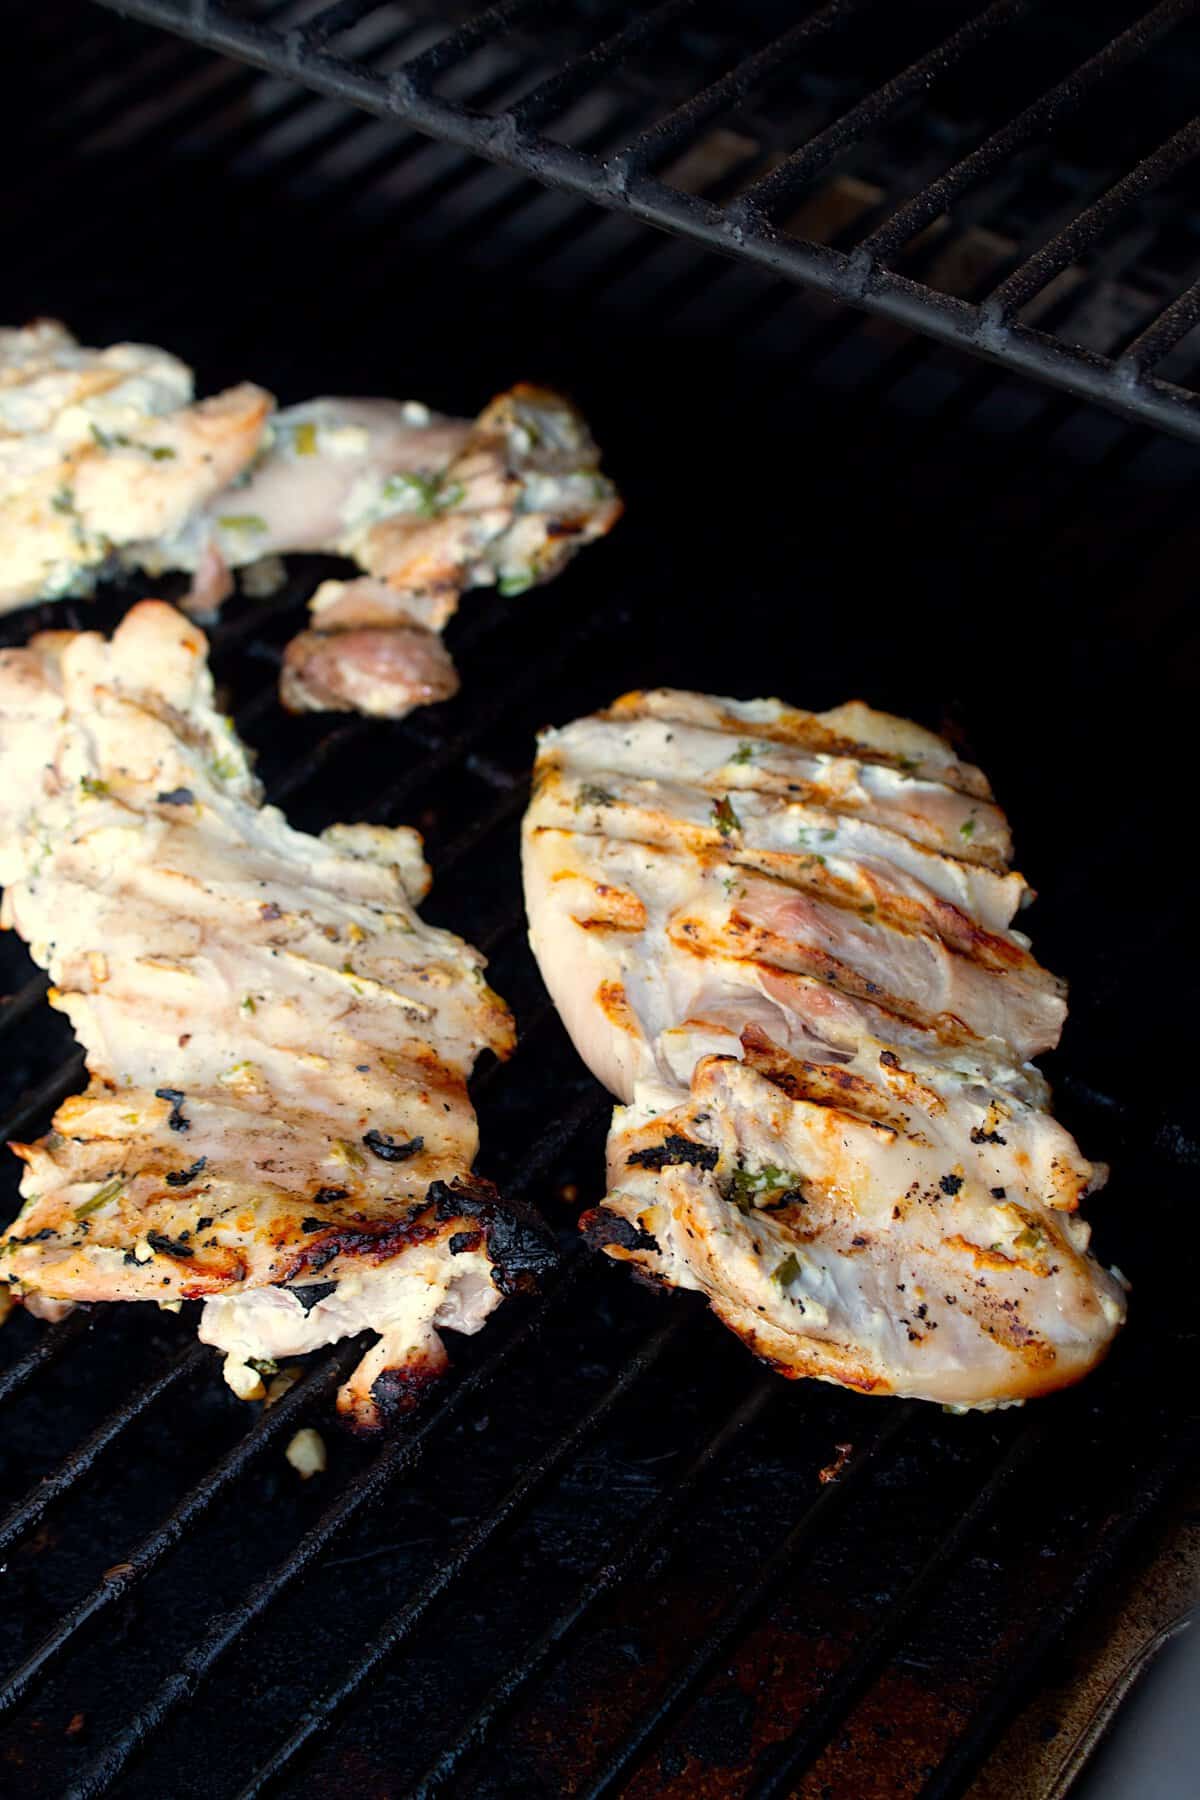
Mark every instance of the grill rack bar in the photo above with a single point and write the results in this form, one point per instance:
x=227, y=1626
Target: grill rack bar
x=1031, y=276
x=21, y=1518
x=47, y=1347
x=403, y=1622
x=657, y=1519
x=736, y=1620
x=860, y=277
x=946, y=1782
x=397, y=1457
x=802, y=1745
x=317, y=1384
x=773, y=191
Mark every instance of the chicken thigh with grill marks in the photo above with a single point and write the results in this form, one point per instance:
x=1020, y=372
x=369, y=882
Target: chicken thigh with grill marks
x=277, y=1119
x=784, y=940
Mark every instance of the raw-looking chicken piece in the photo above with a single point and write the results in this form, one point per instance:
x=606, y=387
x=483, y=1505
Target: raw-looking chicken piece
x=523, y=493
x=100, y=449
x=277, y=1119
x=784, y=940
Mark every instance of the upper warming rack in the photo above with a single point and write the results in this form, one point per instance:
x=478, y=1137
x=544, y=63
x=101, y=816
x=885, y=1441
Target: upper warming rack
x=846, y=149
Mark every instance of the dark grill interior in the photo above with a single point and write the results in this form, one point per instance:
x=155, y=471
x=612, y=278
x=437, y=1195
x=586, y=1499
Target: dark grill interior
x=602, y=1558
x=829, y=147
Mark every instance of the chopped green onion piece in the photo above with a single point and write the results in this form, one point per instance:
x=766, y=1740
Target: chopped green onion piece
x=516, y=581
x=967, y=828
x=97, y=789
x=109, y=1191
x=745, y=1184
x=241, y=522
x=788, y=1269
x=304, y=438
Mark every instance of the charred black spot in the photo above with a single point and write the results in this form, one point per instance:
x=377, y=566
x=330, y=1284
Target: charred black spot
x=168, y=1246
x=889, y=1059
x=398, y=1391
x=181, y=1177
x=602, y=1228
x=270, y=911
x=203, y=1224
x=374, y=1243
x=176, y=1096
x=674, y=1149
x=327, y=1196
x=950, y=1184
x=518, y=1243
x=37, y=1237
x=315, y=1292
x=997, y=1193
x=461, y=1241
x=980, y=1136
x=380, y=1144
x=180, y=796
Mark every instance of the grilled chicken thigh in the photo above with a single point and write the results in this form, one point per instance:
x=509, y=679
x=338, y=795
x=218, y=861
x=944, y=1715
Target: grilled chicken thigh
x=104, y=463
x=784, y=940
x=522, y=494
x=277, y=1120
x=102, y=448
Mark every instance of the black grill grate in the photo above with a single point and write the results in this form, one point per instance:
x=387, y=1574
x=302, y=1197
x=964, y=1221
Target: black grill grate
x=601, y=1559
x=965, y=97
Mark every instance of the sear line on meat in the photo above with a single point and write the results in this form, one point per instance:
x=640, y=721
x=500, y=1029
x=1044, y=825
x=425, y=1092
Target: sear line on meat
x=784, y=940
x=277, y=1120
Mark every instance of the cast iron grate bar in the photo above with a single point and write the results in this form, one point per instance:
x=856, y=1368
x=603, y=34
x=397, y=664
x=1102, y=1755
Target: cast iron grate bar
x=1031, y=276
x=737, y=1619
x=317, y=1384
x=658, y=1519
x=398, y=1457
x=27, y=1513
x=964, y=1756
x=47, y=1347
x=800, y=1749
x=741, y=230
x=403, y=1622
x=771, y=192
x=651, y=148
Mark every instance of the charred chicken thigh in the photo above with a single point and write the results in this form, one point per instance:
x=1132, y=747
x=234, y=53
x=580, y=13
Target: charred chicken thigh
x=784, y=940
x=277, y=1120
